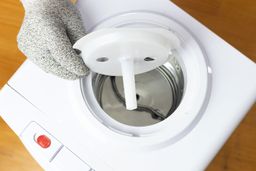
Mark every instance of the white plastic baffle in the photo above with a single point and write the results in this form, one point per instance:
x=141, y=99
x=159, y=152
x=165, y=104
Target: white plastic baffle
x=126, y=52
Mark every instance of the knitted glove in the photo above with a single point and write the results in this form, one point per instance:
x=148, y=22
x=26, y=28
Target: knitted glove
x=49, y=29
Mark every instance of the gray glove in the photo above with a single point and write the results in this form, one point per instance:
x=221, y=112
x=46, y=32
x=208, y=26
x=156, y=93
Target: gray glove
x=49, y=30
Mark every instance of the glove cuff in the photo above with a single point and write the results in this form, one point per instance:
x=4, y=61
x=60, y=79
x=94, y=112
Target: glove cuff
x=30, y=4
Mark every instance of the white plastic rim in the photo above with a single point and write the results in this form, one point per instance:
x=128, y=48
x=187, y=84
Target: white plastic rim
x=195, y=99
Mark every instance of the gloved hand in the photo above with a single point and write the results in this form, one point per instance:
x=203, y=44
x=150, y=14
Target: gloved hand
x=49, y=30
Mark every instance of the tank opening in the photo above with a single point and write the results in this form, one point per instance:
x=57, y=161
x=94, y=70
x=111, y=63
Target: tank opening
x=159, y=93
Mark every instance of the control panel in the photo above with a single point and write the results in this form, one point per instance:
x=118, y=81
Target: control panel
x=49, y=152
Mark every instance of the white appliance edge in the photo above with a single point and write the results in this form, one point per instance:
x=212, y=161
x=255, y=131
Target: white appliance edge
x=36, y=96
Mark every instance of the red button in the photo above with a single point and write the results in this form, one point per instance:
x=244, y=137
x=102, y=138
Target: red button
x=43, y=141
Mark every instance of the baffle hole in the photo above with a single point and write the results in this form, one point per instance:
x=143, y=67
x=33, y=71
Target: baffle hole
x=149, y=59
x=102, y=59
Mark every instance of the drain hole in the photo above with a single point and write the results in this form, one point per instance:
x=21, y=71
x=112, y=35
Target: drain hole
x=102, y=59
x=149, y=59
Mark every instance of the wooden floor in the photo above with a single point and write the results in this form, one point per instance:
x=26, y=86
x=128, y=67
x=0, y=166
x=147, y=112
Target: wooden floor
x=233, y=20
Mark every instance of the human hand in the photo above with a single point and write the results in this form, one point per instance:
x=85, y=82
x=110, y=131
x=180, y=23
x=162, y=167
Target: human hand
x=49, y=29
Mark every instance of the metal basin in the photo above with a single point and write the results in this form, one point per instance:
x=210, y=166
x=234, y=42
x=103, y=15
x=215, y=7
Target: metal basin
x=159, y=92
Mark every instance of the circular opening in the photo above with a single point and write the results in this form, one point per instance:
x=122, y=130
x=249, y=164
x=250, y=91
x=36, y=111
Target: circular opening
x=148, y=59
x=102, y=59
x=158, y=93
x=191, y=82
